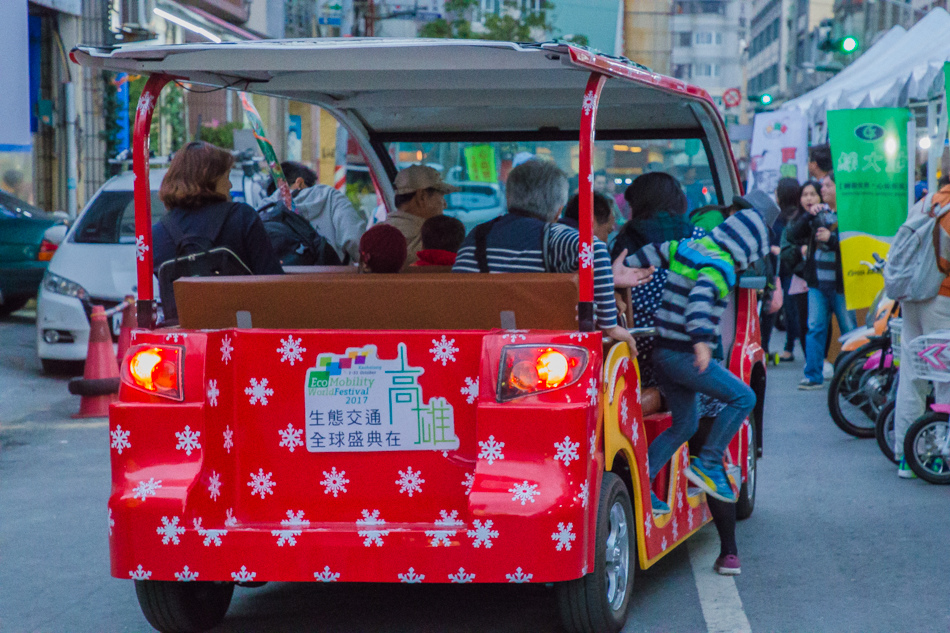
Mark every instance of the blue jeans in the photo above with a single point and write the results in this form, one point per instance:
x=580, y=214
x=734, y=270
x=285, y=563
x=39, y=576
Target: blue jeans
x=821, y=304
x=793, y=327
x=680, y=382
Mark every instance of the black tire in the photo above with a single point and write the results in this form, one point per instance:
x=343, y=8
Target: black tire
x=922, y=446
x=183, y=607
x=855, y=395
x=11, y=305
x=598, y=602
x=884, y=430
x=62, y=367
x=746, y=503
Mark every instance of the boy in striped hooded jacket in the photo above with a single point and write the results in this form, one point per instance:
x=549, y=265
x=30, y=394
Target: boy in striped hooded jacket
x=702, y=273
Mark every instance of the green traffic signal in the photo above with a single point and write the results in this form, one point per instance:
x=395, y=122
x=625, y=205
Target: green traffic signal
x=765, y=99
x=849, y=44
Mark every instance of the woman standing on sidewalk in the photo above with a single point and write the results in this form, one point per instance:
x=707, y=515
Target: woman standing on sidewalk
x=818, y=228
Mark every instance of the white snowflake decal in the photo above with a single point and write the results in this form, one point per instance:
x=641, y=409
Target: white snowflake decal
x=587, y=256
x=675, y=529
x=585, y=494
x=663, y=544
x=411, y=577
x=214, y=485
x=140, y=574
x=578, y=336
x=289, y=534
x=647, y=523
x=229, y=520
x=174, y=336
x=564, y=536
x=592, y=391
x=689, y=518
x=470, y=390
x=226, y=349
x=210, y=536
x=482, y=534
x=111, y=522
x=146, y=488
x=170, y=530
x=514, y=335
x=624, y=410
x=326, y=575
x=566, y=451
x=140, y=248
x=290, y=437
x=371, y=537
x=213, y=393
x=593, y=443
x=410, y=481
x=679, y=500
x=261, y=484
x=120, y=439
x=588, y=103
x=258, y=391
x=290, y=350
x=468, y=482
x=188, y=440
x=243, y=575
x=146, y=103
x=524, y=492
x=461, y=577
x=334, y=482
x=490, y=450
x=443, y=351
x=446, y=519
x=636, y=433
x=519, y=576
x=228, y=439
x=186, y=575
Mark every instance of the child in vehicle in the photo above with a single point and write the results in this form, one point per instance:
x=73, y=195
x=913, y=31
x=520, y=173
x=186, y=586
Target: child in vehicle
x=702, y=273
x=382, y=250
x=442, y=236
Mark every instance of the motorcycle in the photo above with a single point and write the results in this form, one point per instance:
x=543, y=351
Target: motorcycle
x=927, y=442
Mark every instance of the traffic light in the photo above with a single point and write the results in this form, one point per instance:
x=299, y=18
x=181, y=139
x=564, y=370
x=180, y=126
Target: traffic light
x=845, y=45
x=849, y=44
x=763, y=99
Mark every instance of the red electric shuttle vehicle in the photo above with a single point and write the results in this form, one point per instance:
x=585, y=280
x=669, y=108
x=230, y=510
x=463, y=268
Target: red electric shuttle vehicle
x=425, y=427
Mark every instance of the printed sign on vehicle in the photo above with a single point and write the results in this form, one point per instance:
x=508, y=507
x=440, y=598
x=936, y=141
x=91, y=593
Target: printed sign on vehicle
x=358, y=402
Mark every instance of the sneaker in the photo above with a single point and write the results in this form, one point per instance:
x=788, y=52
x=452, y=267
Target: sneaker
x=712, y=480
x=807, y=385
x=828, y=370
x=727, y=565
x=904, y=471
x=659, y=507
x=786, y=357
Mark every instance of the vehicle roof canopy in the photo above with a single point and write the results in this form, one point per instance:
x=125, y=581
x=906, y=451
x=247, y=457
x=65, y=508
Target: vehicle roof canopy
x=417, y=85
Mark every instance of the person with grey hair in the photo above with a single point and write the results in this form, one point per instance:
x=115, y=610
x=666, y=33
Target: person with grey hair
x=527, y=240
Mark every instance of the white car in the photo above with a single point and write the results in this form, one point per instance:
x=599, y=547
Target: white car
x=95, y=265
x=475, y=203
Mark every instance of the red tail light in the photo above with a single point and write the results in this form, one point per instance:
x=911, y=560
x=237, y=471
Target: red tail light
x=156, y=369
x=531, y=369
x=47, y=249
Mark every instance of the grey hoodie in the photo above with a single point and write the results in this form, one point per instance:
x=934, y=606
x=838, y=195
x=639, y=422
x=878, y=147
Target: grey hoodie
x=331, y=215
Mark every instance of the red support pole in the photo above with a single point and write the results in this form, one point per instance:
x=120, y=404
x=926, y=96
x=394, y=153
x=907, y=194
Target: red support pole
x=143, y=197
x=585, y=182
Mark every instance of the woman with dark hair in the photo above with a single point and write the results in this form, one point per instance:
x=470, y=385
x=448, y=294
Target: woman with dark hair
x=788, y=196
x=196, y=193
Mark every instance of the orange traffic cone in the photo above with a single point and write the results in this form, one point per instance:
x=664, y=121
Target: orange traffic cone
x=100, y=382
x=125, y=332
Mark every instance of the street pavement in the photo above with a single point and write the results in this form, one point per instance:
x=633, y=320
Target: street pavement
x=837, y=543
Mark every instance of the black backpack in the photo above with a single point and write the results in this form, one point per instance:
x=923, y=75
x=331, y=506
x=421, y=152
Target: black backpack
x=196, y=256
x=295, y=241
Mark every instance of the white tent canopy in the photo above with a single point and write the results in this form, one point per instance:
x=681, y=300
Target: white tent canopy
x=900, y=68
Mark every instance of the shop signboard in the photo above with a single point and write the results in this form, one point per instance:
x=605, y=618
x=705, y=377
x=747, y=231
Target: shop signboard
x=779, y=149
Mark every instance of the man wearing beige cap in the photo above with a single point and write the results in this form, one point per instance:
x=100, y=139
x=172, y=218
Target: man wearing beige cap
x=420, y=195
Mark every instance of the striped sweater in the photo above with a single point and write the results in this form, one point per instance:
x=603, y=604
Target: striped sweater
x=514, y=246
x=701, y=275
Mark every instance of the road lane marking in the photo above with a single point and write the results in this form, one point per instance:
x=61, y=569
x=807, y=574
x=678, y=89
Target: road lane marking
x=718, y=595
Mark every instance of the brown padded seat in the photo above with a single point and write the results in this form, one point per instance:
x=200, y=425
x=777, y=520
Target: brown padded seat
x=420, y=301
x=650, y=401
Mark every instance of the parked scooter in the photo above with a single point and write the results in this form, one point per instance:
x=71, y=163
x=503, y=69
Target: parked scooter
x=927, y=443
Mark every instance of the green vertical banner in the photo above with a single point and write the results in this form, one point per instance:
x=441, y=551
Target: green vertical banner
x=480, y=163
x=869, y=151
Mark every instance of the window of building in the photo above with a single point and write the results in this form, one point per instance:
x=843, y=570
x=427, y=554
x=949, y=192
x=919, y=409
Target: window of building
x=705, y=70
x=682, y=71
x=685, y=39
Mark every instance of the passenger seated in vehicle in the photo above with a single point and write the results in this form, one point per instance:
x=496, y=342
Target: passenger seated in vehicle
x=382, y=250
x=442, y=236
x=604, y=221
x=420, y=195
x=701, y=275
x=526, y=240
x=329, y=211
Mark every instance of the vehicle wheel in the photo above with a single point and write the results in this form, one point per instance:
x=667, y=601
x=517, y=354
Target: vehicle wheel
x=11, y=305
x=183, y=607
x=855, y=395
x=884, y=430
x=746, y=503
x=927, y=448
x=62, y=367
x=598, y=602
